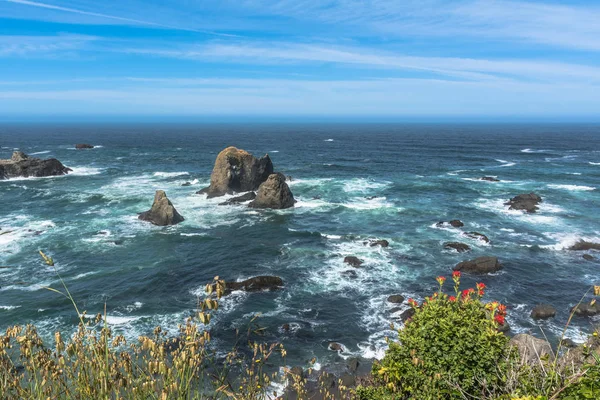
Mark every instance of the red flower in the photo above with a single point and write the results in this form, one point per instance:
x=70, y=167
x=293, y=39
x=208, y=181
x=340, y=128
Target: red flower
x=499, y=319
x=471, y=290
x=452, y=299
x=456, y=274
x=441, y=280
x=502, y=309
x=480, y=286
x=412, y=303
x=465, y=293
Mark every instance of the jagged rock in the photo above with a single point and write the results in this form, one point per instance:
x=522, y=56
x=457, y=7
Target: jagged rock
x=381, y=242
x=460, y=247
x=237, y=170
x=353, y=364
x=407, y=314
x=583, y=245
x=586, y=310
x=531, y=349
x=588, y=257
x=489, y=179
x=239, y=199
x=526, y=202
x=353, y=261
x=455, y=223
x=273, y=193
x=20, y=165
x=477, y=236
x=162, y=212
x=82, y=146
x=255, y=284
x=186, y=184
x=334, y=346
x=480, y=265
x=543, y=311
x=395, y=299
x=289, y=178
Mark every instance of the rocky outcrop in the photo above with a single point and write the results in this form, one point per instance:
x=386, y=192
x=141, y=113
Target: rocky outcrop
x=531, y=349
x=459, y=247
x=353, y=261
x=256, y=284
x=583, y=245
x=395, y=299
x=543, y=311
x=477, y=236
x=20, y=165
x=163, y=212
x=455, y=223
x=480, y=265
x=577, y=356
x=380, y=242
x=239, y=199
x=489, y=179
x=82, y=146
x=274, y=193
x=236, y=170
x=586, y=310
x=588, y=257
x=525, y=202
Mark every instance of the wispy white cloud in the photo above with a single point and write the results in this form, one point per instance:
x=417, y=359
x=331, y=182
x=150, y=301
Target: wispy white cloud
x=19, y=46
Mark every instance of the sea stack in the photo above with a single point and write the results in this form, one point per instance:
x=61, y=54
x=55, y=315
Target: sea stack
x=163, y=212
x=20, y=165
x=480, y=265
x=237, y=171
x=273, y=193
x=525, y=202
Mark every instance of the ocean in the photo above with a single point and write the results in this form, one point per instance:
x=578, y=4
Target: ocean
x=352, y=183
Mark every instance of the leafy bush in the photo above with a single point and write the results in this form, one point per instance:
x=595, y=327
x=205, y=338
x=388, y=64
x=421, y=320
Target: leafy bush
x=450, y=347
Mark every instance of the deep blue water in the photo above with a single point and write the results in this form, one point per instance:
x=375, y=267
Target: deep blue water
x=421, y=174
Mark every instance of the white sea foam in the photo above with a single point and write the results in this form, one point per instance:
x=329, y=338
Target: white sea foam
x=169, y=174
x=8, y=308
x=572, y=187
x=506, y=163
x=274, y=151
x=594, y=163
x=566, y=240
x=540, y=217
x=532, y=151
x=84, y=171
x=328, y=140
x=39, y=152
x=362, y=185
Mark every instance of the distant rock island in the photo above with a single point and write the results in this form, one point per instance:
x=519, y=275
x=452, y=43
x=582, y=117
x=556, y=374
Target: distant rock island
x=20, y=165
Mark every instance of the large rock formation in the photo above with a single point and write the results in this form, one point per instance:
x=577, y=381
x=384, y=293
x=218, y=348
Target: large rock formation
x=20, y=165
x=525, y=202
x=543, y=311
x=531, y=349
x=480, y=265
x=237, y=170
x=582, y=245
x=162, y=212
x=274, y=193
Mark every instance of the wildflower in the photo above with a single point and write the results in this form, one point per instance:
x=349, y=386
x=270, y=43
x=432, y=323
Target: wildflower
x=480, y=289
x=597, y=290
x=412, y=303
x=502, y=309
x=465, y=293
x=456, y=275
x=452, y=299
x=499, y=319
x=441, y=280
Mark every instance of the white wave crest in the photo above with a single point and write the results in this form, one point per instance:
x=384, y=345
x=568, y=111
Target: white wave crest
x=572, y=187
x=170, y=174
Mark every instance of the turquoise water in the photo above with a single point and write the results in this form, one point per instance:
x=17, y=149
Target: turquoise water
x=421, y=174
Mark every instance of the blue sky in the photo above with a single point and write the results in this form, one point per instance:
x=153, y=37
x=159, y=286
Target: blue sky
x=302, y=58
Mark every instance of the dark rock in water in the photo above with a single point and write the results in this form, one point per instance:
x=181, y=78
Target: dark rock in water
x=525, y=202
x=568, y=343
x=489, y=179
x=350, y=274
x=381, y=242
x=586, y=310
x=477, y=236
x=543, y=311
x=460, y=247
x=588, y=257
x=353, y=261
x=256, y=284
x=82, y=146
x=20, y=165
x=407, y=314
x=273, y=193
x=480, y=265
x=395, y=299
x=370, y=197
x=317, y=197
x=236, y=170
x=326, y=380
x=239, y=199
x=186, y=184
x=162, y=212
x=118, y=242
x=334, y=346
x=289, y=178
x=582, y=245
x=455, y=223
x=353, y=364
x=285, y=327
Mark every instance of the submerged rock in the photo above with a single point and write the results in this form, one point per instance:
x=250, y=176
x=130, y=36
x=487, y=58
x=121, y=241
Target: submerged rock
x=455, y=223
x=334, y=346
x=543, y=311
x=82, y=146
x=395, y=299
x=186, y=184
x=477, y=236
x=273, y=193
x=586, y=310
x=480, y=265
x=20, y=165
x=588, y=257
x=489, y=179
x=459, y=247
x=583, y=245
x=525, y=202
x=256, y=284
x=353, y=261
x=531, y=349
x=239, y=199
x=381, y=242
x=162, y=212
x=236, y=170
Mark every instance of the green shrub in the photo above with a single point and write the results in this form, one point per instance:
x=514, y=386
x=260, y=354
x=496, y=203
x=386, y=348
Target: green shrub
x=451, y=347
